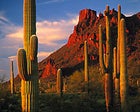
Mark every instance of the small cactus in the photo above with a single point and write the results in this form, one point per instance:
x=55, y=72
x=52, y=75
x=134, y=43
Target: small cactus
x=59, y=82
x=86, y=61
x=12, y=76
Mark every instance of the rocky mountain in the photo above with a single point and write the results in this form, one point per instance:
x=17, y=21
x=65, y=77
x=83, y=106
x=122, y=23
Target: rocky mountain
x=70, y=56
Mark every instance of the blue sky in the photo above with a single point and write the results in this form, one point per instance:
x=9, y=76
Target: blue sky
x=55, y=22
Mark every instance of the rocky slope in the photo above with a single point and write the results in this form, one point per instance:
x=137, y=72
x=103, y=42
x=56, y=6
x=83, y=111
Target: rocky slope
x=70, y=57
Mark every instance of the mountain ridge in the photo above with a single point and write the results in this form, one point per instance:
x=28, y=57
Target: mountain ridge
x=70, y=56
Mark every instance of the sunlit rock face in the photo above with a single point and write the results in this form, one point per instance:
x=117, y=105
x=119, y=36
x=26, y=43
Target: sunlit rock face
x=70, y=57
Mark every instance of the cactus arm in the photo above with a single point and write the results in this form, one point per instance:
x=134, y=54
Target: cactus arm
x=33, y=47
x=34, y=71
x=114, y=62
x=123, y=68
x=116, y=79
x=101, y=54
x=22, y=64
x=116, y=82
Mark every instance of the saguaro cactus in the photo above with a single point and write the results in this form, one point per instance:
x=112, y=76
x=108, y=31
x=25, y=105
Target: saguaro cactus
x=86, y=61
x=123, y=69
x=117, y=66
x=59, y=82
x=27, y=60
x=118, y=42
x=107, y=65
x=12, y=76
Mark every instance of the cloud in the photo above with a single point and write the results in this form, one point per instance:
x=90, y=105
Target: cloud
x=50, y=1
x=129, y=14
x=51, y=35
x=42, y=55
x=3, y=19
x=49, y=32
x=17, y=33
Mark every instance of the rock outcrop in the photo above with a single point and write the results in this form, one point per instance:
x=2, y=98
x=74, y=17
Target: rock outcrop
x=70, y=57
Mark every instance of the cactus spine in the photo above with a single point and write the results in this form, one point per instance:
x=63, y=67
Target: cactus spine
x=106, y=65
x=27, y=60
x=59, y=82
x=123, y=69
x=12, y=76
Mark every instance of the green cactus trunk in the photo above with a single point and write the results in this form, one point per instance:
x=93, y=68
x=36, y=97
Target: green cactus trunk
x=118, y=42
x=107, y=64
x=59, y=83
x=27, y=60
x=86, y=61
x=117, y=67
x=12, y=77
x=123, y=69
x=86, y=67
x=29, y=83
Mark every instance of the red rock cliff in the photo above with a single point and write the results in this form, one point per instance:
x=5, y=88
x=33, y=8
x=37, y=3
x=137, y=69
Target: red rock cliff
x=70, y=57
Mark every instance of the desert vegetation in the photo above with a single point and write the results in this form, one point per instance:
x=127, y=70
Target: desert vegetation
x=105, y=86
x=74, y=98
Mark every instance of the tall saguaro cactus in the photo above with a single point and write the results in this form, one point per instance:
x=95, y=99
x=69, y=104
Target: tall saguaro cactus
x=12, y=76
x=86, y=61
x=118, y=42
x=107, y=65
x=27, y=60
x=123, y=69
x=59, y=82
x=117, y=66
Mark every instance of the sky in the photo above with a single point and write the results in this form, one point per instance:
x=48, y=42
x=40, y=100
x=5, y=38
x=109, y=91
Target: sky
x=55, y=20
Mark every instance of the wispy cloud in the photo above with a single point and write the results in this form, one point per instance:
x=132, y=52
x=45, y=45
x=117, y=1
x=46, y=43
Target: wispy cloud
x=3, y=19
x=128, y=15
x=49, y=2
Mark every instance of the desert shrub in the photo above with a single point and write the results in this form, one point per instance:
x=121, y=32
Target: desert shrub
x=76, y=83
x=3, y=88
x=134, y=103
x=10, y=103
x=69, y=103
